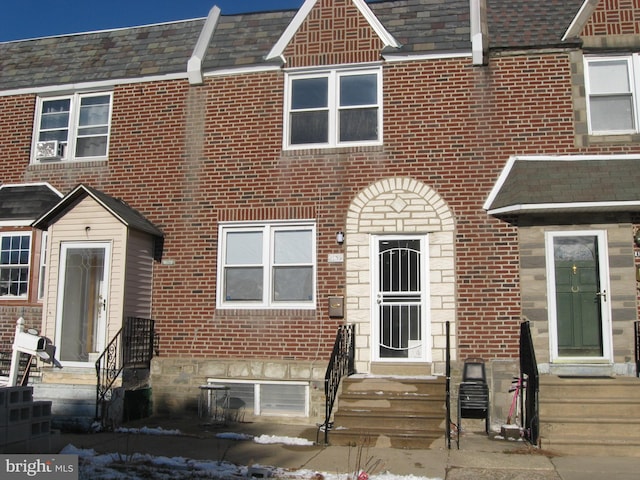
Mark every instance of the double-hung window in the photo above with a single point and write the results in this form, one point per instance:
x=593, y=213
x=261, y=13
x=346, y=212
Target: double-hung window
x=73, y=127
x=267, y=266
x=612, y=94
x=15, y=251
x=334, y=108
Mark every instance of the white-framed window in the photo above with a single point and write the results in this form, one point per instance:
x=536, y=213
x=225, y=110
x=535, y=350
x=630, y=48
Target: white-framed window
x=612, y=94
x=270, y=265
x=333, y=108
x=15, y=255
x=72, y=127
x=263, y=397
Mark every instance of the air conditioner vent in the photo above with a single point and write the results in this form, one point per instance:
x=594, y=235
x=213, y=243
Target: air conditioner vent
x=49, y=150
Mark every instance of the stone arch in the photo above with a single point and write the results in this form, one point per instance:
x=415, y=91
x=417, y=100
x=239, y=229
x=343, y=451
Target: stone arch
x=400, y=205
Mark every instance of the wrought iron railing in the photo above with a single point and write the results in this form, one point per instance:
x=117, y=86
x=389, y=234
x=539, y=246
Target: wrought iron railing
x=340, y=365
x=637, y=339
x=530, y=380
x=132, y=348
x=448, y=382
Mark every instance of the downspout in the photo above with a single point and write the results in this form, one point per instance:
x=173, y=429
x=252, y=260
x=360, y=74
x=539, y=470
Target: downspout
x=194, y=65
x=479, y=32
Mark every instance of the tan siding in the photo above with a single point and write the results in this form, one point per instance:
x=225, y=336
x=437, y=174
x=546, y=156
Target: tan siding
x=88, y=222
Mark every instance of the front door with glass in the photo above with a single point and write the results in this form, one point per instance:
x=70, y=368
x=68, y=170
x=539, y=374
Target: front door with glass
x=82, y=301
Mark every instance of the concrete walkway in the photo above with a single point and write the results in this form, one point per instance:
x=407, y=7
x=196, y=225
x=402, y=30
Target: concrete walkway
x=478, y=457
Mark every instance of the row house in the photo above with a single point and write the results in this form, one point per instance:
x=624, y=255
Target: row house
x=428, y=172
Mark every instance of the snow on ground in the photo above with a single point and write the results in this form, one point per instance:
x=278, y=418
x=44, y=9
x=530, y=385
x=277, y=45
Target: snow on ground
x=138, y=466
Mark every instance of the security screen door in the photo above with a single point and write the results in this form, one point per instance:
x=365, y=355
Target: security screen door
x=82, y=300
x=400, y=325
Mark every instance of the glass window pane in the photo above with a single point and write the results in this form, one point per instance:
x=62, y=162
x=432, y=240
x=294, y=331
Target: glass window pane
x=293, y=246
x=92, y=131
x=91, y=147
x=611, y=114
x=55, y=120
x=243, y=248
x=292, y=284
x=309, y=93
x=60, y=135
x=94, y=115
x=611, y=76
x=358, y=90
x=358, y=124
x=56, y=106
x=243, y=284
x=309, y=127
x=280, y=399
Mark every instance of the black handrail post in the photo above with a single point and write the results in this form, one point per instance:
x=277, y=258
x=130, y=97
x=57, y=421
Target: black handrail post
x=448, y=382
x=341, y=363
x=529, y=368
x=637, y=338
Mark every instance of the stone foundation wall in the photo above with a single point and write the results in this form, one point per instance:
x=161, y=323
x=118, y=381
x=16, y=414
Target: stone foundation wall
x=175, y=382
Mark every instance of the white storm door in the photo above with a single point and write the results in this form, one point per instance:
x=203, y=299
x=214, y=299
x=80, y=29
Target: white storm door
x=400, y=299
x=82, y=301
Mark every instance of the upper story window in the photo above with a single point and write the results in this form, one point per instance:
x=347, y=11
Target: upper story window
x=72, y=127
x=334, y=108
x=612, y=93
x=267, y=266
x=15, y=250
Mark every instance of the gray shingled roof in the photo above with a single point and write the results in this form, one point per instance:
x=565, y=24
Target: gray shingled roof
x=26, y=202
x=530, y=23
x=421, y=26
x=542, y=185
x=126, y=214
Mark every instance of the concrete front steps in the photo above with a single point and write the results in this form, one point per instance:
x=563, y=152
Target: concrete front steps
x=398, y=412
x=590, y=416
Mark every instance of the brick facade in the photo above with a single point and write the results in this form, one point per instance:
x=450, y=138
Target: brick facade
x=189, y=157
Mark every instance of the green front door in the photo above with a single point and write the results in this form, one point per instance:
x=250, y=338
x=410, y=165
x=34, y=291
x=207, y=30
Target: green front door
x=578, y=296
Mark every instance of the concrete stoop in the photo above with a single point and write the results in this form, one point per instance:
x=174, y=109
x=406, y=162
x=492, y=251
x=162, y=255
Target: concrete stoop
x=397, y=412
x=590, y=416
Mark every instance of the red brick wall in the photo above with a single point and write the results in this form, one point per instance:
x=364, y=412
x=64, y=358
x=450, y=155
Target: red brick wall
x=188, y=157
x=614, y=17
x=334, y=32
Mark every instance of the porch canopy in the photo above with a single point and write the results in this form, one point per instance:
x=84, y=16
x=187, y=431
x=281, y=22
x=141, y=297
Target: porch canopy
x=557, y=184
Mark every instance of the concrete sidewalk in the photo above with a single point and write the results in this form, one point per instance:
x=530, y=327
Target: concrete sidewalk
x=478, y=457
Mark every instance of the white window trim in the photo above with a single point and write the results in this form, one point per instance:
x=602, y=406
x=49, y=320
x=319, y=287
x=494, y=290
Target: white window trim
x=333, y=106
x=29, y=266
x=268, y=228
x=42, y=271
x=633, y=61
x=75, y=99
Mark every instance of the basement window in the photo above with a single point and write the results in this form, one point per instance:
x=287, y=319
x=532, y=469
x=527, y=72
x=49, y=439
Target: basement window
x=258, y=397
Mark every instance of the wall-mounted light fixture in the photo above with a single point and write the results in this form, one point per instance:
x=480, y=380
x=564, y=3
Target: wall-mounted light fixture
x=340, y=238
x=636, y=237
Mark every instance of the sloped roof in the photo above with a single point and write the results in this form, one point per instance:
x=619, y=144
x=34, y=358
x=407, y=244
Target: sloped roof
x=567, y=183
x=118, y=208
x=26, y=202
x=527, y=24
x=421, y=26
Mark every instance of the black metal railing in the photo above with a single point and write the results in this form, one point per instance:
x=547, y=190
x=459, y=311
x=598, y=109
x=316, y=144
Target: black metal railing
x=530, y=380
x=448, y=382
x=637, y=342
x=340, y=365
x=132, y=347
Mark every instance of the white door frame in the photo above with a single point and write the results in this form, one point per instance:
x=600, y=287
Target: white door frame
x=101, y=331
x=605, y=300
x=425, y=352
